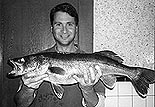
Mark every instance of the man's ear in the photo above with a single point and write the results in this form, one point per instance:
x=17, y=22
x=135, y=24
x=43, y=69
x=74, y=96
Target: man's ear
x=77, y=28
x=76, y=35
x=51, y=29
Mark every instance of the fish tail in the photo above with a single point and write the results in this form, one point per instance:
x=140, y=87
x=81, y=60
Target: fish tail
x=142, y=80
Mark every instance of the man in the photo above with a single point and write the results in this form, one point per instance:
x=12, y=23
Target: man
x=88, y=93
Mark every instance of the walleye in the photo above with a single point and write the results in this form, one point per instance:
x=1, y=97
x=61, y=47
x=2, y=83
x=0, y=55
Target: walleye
x=59, y=67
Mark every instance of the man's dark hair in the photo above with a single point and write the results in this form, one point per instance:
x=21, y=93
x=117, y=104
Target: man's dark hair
x=64, y=7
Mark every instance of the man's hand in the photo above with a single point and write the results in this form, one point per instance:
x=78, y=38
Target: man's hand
x=90, y=78
x=32, y=81
x=35, y=78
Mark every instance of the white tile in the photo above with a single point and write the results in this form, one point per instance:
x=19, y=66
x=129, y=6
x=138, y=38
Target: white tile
x=151, y=89
x=112, y=92
x=125, y=88
x=134, y=91
x=150, y=101
x=125, y=101
x=111, y=102
x=139, y=102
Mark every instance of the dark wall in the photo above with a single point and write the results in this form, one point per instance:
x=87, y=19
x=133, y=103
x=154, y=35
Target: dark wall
x=26, y=30
x=86, y=25
x=1, y=47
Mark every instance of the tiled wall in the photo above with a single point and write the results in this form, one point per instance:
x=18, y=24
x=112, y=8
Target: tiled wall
x=124, y=95
x=127, y=28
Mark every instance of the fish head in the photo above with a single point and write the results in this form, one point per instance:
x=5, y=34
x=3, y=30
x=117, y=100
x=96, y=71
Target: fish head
x=21, y=66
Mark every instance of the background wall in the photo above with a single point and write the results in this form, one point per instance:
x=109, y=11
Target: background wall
x=26, y=30
x=1, y=47
x=127, y=28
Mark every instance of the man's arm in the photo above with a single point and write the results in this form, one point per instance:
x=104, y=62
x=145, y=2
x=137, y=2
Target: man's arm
x=26, y=93
x=86, y=84
x=99, y=90
x=90, y=97
x=24, y=97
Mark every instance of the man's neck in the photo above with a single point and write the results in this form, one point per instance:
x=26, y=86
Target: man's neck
x=66, y=49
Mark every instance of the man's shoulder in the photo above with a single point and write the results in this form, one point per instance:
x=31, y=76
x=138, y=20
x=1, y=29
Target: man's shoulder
x=79, y=51
x=52, y=49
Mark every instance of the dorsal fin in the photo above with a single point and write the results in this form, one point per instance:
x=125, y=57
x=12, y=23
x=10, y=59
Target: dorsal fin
x=111, y=55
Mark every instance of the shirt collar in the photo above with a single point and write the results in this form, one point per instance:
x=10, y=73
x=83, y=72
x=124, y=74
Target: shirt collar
x=75, y=45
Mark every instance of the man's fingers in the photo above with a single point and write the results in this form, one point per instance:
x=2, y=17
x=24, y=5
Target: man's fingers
x=86, y=78
x=34, y=82
x=92, y=74
x=99, y=72
x=29, y=75
x=76, y=78
x=35, y=85
x=34, y=79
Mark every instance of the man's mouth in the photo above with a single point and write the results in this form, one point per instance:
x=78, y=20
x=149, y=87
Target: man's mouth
x=64, y=37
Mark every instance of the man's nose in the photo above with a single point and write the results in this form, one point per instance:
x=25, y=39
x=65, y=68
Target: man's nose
x=64, y=29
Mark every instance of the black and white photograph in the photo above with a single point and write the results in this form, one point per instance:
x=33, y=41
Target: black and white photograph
x=77, y=53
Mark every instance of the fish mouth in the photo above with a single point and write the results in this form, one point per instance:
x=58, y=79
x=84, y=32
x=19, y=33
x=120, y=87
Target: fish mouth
x=12, y=64
x=12, y=75
x=16, y=69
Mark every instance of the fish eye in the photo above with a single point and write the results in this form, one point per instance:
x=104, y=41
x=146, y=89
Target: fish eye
x=21, y=60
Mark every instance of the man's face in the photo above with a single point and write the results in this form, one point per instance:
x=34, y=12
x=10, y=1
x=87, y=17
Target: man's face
x=64, y=28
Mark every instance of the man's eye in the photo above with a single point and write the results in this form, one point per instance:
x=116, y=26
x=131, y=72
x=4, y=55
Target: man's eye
x=57, y=24
x=70, y=24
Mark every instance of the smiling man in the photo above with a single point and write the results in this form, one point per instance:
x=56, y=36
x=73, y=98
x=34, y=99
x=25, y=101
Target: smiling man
x=88, y=93
x=64, y=30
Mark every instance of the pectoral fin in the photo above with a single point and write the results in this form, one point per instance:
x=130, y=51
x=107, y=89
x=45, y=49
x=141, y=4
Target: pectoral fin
x=58, y=90
x=109, y=81
x=57, y=70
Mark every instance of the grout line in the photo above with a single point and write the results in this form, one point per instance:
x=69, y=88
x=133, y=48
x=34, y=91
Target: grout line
x=94, y=25
x=146, y=102
x=132, y=96
x=125, y=95
x=153, y=100
x=154, y=94
x=117, y=95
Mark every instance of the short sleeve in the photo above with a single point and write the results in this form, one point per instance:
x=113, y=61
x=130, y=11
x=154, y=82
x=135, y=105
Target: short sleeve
x=101, y=102
x=100, y=88
x=100, y=91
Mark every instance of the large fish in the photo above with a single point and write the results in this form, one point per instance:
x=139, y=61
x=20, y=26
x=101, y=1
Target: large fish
x=59, y=67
